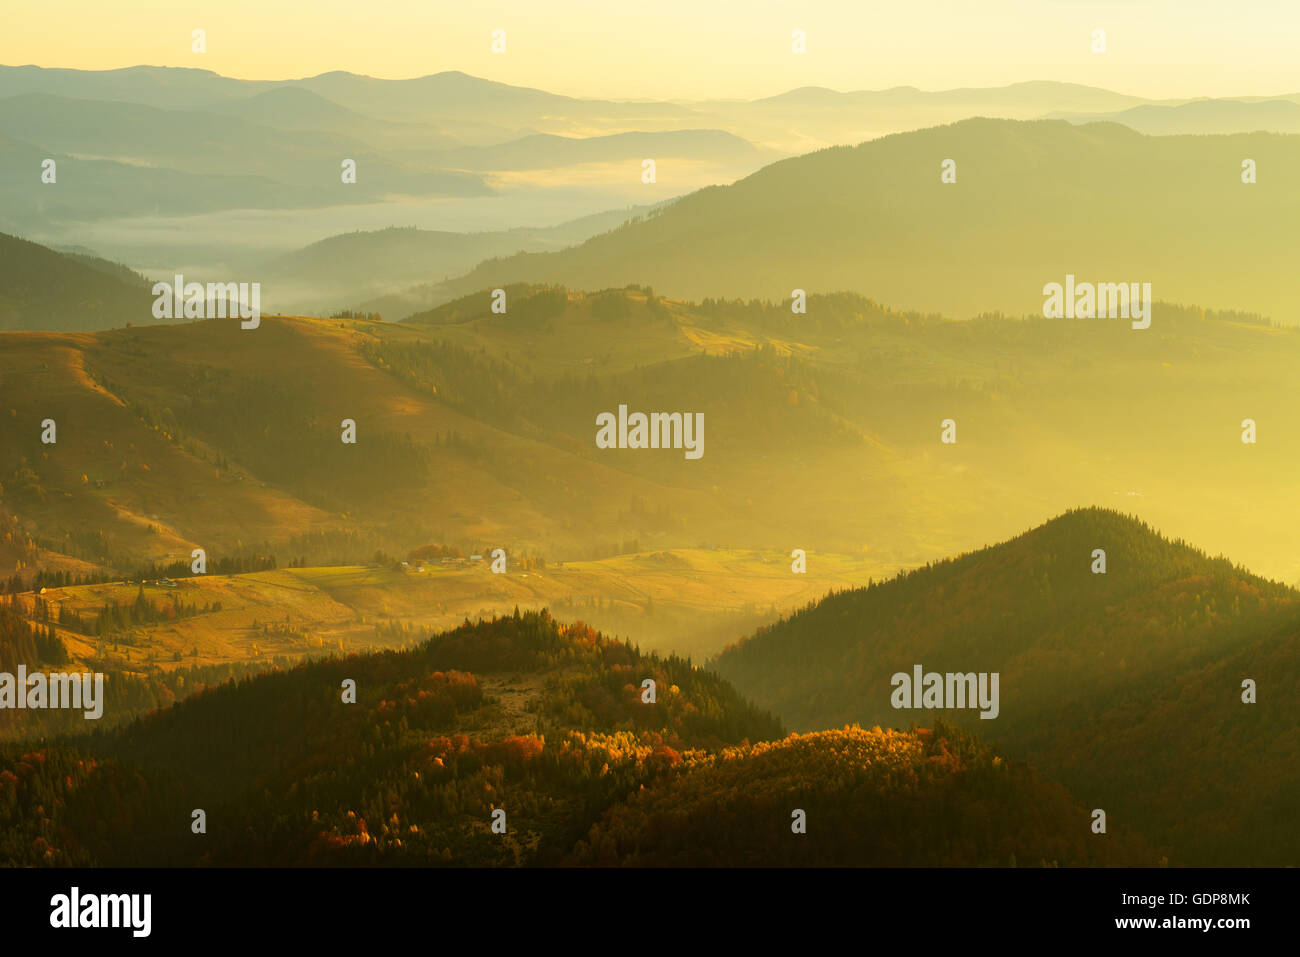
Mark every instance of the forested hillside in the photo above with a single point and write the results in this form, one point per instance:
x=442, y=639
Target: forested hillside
x=1110, y=682
x=544, y=721
x=929, y=797
x=43, y=289
x=289, y=773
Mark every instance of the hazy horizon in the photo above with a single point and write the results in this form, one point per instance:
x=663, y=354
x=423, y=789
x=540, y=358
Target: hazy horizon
x=1153, y=52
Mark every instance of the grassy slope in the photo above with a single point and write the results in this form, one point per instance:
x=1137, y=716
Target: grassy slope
x=688, y=601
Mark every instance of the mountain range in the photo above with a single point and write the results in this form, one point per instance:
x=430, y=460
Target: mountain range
x=391, y=576
x=148, y=174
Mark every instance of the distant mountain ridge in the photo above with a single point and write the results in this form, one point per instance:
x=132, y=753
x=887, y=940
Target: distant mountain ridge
x=1201, y=117
x=478, y=106
x=195, y=142
x=878, y=219
x=397, y=271
x=544, y=150
x=449, y=93
x=1028, y=95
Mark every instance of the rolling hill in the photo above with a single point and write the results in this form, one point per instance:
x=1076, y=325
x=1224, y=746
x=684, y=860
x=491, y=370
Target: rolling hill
x=395, y=271
x=1126, y=686
x=483, y=426
x=876, y=219
x=41, y=289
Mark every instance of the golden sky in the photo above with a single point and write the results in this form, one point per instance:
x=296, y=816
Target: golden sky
x=687, y=49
